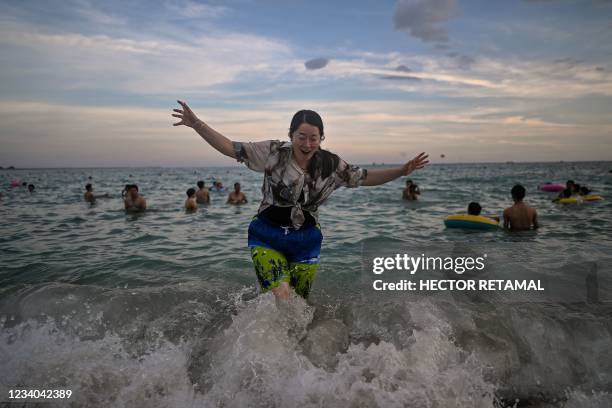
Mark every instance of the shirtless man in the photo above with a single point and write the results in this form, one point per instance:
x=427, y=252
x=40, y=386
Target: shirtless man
x=202, y=196
x=89, y=195
x=236, y=196
x=520, y=216
x=190, y=203
x=134, y=201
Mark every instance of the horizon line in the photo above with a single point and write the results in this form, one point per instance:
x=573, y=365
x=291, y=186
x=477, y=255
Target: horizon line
x=359, y=164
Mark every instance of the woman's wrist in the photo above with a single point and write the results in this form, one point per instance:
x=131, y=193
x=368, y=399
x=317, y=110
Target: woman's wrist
x=198, y=124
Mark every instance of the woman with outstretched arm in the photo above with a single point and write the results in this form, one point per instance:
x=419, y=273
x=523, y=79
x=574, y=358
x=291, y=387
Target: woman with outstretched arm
x=285, y=237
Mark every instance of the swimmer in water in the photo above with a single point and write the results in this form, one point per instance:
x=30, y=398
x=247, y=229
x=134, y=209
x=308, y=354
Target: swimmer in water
x=236, y=196
x=202, y=196
x=520, y=216
x=474, y=208
x=285, y=237
x=89, y=195
x=411, y=192
x=190, y=202
x=133, y=201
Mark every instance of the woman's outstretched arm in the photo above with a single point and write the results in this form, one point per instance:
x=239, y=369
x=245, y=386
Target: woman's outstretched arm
x=214, y=138
x=377, y=177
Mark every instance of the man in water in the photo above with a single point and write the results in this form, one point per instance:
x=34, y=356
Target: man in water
x=236, y=196
x=133, y=200
x=202, y=196
x=89, y=195
x=411, y=192
x=31, y=188
x=190, y=203
x=520, y=216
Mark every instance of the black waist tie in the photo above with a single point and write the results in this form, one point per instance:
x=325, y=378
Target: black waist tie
x=281, y=216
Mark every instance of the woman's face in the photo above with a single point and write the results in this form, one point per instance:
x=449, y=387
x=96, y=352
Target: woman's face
x=306, y=140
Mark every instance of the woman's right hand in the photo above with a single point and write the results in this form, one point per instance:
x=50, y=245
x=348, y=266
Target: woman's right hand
x=186, y=115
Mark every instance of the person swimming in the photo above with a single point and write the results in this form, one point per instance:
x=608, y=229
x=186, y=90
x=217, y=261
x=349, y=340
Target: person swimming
x=89, y=195
x=217, y=187
x=569, y=186
x=202, y=196
x=520, y=216
x=567, y=193
x=475, y=208
x=190, y=202
x=236, y=196
x=133, y=201
x=285, y=237
x=411, y=192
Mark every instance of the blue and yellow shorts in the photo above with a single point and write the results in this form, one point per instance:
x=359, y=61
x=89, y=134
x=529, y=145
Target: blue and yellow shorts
x=284, y=254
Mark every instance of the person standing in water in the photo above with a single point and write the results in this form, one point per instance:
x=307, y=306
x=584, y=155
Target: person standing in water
x=202, y=196
x=285, y=237
x=236, y=196
x=133, y=201
x=520, y=216
x=89, y=196
x=190, y=202
x=411, y=192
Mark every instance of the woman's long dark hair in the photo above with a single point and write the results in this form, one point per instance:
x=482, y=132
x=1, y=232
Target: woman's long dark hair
x=324, y=161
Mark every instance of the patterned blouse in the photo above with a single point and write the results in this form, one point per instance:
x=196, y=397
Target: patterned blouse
x=287, y=185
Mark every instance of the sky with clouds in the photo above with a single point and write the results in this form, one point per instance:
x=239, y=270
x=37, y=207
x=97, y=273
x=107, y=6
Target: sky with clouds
x=92, y=84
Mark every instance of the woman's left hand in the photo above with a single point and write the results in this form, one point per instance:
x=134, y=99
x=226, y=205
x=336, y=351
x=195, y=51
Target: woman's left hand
x=415, y=164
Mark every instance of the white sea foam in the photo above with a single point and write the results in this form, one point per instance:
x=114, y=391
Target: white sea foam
x=267, y=354
x=256, y=360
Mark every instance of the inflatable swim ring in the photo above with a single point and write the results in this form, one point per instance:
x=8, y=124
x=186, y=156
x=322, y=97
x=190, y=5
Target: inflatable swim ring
x=15, y=183
x=592, y=197
x=551, y=188
x=470, y=222
x=218, y=190
x=580, y=199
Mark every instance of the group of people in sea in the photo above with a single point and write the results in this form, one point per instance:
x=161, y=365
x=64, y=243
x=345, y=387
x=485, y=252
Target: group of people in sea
x=519, y=216
x=16, y=183
x=135, y=202
x=202, y=196
x=573, y=189
x=285, y=237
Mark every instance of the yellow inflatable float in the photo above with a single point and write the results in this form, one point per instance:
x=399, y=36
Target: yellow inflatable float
x=470, y=222
x=580, y=199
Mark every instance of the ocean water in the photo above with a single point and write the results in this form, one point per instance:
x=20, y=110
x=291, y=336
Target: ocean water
x=163, y=309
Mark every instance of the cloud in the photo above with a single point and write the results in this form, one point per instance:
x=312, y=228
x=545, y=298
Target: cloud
x=567, y=62
x=192, y=9
x=403, y=68
x=316, y=63
x=399, y=77
x=462, y=61
x=89, y=12
x=134, y=65
x=424, y=19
